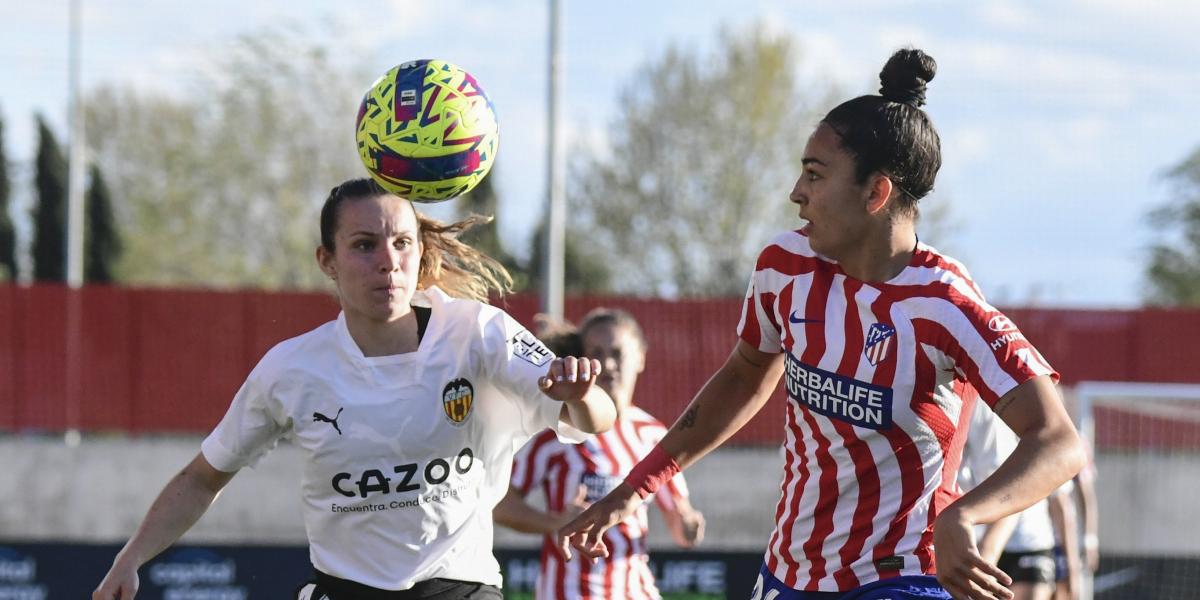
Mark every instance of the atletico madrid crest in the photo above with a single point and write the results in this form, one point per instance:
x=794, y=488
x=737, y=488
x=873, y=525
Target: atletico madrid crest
x=879, y=341
x=457, y=398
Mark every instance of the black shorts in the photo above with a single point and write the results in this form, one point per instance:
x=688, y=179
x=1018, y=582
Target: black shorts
x=1028, y=567
x=328, y=587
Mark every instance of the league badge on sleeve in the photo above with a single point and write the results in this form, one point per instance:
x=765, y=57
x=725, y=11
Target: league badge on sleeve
x=527, y=347
x=879, y=341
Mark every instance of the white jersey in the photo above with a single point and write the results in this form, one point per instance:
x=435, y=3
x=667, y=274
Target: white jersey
x=406, y=454
x=989, y=442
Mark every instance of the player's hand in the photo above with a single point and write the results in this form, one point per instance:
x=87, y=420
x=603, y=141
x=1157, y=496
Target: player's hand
x=960, y=568
x=121, y=583
x=586, y=532
x=693, y=528
x=685, y=523
x=568, y=378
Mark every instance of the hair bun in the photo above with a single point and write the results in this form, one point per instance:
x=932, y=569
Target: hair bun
x=904, y=76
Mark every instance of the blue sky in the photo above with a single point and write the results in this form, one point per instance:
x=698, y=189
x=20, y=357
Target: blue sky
x=1057, y=121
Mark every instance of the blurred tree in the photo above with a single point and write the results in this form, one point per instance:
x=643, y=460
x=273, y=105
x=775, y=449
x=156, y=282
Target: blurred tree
x=703, y=155
x=102, y=242
x=50, y=212
x=584, y=271
x=8, y=237
x=223, y=186
x=1174, y=269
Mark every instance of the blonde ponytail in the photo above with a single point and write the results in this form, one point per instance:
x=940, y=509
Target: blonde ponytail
x=458, y=269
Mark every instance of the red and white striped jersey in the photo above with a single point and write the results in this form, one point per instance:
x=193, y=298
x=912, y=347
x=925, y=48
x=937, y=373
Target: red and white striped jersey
x=600, y=463
x=879, y=377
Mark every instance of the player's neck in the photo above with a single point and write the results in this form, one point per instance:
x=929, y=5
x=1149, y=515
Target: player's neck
x=374, y=338
x=883, y=253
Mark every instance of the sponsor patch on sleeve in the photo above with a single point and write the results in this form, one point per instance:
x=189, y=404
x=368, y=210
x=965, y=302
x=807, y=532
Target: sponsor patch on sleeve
x=527, y=347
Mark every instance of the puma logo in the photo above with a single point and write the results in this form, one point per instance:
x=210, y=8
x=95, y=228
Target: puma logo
x=324, y=419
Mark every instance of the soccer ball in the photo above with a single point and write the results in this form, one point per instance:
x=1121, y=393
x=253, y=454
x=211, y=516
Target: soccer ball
x=426, y=131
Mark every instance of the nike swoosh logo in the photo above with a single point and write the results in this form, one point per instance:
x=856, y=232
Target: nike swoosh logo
x=793, y=318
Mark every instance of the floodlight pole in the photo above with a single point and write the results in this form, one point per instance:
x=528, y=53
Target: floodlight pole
x=74, y=266
x=552, y=265
x=75, y=158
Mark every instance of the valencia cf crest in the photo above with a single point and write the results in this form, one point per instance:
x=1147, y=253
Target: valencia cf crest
x=457, y=398
x=879, y=342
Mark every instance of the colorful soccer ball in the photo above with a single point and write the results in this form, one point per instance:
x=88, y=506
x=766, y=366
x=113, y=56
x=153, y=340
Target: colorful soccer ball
x=426, y=131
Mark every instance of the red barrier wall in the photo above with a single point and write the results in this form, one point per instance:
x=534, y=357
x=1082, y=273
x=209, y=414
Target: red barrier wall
x=170, y=360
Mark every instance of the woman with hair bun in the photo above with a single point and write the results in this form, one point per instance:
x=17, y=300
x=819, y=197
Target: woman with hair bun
x=886, y=345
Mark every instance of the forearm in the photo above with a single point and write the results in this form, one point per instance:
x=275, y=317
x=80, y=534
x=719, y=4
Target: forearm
x=516, y=514
x=1062, y=513
x=178, y=506
x=1048, y=454
x=729, y=399
x=1087, y=495
x=1040, y=464
x=595, y=412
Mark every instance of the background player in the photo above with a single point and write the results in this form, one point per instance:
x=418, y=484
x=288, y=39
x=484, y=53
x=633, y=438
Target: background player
x=1077, y=550
x=885, y=344
x=1021, y=544
x=408, y=409
x=572, y=475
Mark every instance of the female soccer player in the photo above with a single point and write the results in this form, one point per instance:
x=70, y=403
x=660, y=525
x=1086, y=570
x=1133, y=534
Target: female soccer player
x=885, y=343
x=571, y=475
x=408, y=407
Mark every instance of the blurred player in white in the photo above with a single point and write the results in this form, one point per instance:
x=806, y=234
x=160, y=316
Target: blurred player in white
x=408, y=408
x=1076, y=550
x=886, y=344
x=1021, y=544
x=573, y=475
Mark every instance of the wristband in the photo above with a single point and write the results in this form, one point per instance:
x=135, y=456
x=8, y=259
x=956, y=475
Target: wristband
x=1090, y=541
x=656, y=469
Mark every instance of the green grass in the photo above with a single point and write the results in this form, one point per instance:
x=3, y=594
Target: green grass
x=676, y=596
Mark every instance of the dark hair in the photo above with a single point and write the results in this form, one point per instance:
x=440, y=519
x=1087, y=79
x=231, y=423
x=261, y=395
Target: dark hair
x=351, y=189
x=611, y=316
x=560, y=336
x=457, y=268
x=889, y=133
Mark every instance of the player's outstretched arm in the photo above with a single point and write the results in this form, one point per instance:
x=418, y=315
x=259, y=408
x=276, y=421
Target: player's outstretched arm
x=515, y=513
x=1049, y=453
x=727, y=401
x=178, y=506
x=586, y=406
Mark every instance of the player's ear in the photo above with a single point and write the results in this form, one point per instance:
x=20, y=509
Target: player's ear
x=879, y=193
x=325, y=262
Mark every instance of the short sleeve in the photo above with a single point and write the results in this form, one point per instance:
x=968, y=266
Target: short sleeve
x=249, y=429
x=991, y=351
x=758, y=326
x=515, y=360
